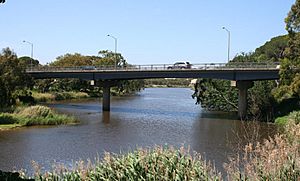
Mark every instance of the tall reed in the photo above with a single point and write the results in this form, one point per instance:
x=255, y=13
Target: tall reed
x=276, y=158
x=159, y=163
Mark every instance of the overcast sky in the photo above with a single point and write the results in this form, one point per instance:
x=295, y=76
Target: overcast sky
x=148, y=31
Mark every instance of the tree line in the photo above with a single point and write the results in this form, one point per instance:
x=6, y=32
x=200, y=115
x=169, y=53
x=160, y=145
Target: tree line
x=16, y=85
x=266, y=99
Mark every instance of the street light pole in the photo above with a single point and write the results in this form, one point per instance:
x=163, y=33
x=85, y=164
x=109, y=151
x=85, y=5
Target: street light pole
x=228, y=43
x=31, y=52
x=116, y=44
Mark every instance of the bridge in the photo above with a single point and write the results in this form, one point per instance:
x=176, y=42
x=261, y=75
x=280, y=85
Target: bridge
x=242, y=73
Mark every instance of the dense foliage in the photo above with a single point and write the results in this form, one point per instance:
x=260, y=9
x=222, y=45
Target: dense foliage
x=266, y=99
x=290, y=72
x=220, y=95
x=13, y=79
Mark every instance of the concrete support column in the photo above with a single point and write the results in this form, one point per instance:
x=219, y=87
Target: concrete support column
x=243, y=87
x=106, y=96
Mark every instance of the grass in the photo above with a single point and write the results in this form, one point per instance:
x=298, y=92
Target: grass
x=159, y=163
x=33, y=115
x=55, y=96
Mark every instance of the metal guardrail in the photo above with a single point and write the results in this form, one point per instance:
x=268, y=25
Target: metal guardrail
x=160, y=67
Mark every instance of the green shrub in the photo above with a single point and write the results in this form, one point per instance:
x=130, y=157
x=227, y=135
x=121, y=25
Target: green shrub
x=292, y=117
x=281, y=121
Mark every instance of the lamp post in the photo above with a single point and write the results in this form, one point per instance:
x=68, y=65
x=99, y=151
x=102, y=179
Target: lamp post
x=116, y=43
x=228, y=42
x=31, y=52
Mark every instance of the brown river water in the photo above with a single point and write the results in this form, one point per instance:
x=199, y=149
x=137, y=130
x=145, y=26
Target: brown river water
x=155, y=116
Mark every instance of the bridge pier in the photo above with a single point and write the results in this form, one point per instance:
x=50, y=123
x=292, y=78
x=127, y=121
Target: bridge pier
x=243, y=87
x=106, y=85
x=106, y=96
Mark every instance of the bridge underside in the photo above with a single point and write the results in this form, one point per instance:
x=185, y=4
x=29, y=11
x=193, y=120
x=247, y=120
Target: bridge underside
x=243, y=77
x=127, y=75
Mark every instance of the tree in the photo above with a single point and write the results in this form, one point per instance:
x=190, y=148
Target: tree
x=272, y=51
x=28, y=61
x=72, y=60
x=219, y=95
x=290, y=65
x=13, y=78
x=109, y=58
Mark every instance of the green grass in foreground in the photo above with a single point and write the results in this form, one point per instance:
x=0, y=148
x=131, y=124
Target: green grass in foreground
x=34, y=115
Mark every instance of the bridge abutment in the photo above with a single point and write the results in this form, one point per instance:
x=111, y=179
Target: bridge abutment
x=243, y=87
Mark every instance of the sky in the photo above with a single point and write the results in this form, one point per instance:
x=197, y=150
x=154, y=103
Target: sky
x=147, y=31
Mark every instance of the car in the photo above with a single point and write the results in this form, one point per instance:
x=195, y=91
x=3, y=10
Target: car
x=180, y=65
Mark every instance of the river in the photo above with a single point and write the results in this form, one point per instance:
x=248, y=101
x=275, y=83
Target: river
x=155, y=116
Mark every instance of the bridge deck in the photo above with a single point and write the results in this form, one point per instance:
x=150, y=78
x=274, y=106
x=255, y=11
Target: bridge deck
x=216, y=71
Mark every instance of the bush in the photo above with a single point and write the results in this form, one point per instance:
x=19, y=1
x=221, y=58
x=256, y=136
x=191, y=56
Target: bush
x=292, y=117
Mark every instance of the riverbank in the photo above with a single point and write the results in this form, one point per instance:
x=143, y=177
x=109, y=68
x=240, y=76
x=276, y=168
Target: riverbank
x=32, y=116
x=56, y=96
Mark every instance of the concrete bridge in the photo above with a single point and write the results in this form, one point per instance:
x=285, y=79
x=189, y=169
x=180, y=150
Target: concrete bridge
x=243, y=73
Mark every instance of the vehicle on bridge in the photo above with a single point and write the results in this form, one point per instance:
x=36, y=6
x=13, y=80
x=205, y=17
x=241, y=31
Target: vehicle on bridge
x=180, y=65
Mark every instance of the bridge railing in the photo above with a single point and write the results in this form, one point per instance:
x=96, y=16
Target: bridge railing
x=159, y=67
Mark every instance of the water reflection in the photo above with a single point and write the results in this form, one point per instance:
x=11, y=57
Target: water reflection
x=106, y=117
